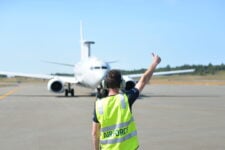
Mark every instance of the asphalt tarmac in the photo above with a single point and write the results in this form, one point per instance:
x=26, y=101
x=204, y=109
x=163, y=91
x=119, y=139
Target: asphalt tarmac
x=168, y=117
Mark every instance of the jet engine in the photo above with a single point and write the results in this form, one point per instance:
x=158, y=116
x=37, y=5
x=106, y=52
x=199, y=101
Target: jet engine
x=129, y=83
x=56, y=86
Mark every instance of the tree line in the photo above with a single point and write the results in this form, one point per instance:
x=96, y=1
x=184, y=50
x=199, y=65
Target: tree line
x=199, y=69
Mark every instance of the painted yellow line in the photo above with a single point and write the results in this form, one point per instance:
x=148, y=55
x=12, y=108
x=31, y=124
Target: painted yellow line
x=8, y=93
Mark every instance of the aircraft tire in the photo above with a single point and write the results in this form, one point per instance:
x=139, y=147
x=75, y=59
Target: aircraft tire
x=66, y=92
x=72, y=92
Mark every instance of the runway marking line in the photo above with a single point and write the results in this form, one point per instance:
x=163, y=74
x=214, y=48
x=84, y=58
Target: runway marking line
x=8, y=93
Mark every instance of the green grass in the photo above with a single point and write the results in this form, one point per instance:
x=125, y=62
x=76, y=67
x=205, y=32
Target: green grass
x=13, y=81
x=216, y=79
x=218, y=76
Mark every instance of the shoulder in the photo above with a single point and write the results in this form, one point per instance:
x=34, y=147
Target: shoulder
x=134, y=92
x=132, y=95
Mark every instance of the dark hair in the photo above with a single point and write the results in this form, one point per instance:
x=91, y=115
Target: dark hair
x=113, y=79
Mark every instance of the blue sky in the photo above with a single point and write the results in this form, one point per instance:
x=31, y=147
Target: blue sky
x=180, y=31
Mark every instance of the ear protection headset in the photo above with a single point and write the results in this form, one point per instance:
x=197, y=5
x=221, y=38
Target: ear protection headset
x=107, y=80
x=105, y=84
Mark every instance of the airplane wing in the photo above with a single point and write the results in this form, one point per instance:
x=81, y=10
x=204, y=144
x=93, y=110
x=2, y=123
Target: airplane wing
x=57, y=63
x=163, y=73
x=132, y=79
x=41, y=76
x=173, y=72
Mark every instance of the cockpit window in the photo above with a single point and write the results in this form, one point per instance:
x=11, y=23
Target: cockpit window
x=104, y=67
x=99, y=67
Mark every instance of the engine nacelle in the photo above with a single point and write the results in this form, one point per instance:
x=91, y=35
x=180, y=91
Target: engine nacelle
x=129, y=83
x=56, y=86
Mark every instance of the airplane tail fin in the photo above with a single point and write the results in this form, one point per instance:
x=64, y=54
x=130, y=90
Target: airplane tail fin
x=85, y=45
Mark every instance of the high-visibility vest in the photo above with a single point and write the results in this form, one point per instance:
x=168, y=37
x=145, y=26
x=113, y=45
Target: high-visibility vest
x=118, y=129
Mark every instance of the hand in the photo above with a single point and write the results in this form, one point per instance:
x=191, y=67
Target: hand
x=156, y=59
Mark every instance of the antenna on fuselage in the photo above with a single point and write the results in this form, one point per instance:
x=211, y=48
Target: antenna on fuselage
x=85, y=45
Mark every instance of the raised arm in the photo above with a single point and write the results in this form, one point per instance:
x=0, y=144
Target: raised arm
x=148, y=73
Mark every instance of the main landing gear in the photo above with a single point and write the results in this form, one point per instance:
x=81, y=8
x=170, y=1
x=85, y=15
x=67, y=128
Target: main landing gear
x=101, y=92
x=69, y=91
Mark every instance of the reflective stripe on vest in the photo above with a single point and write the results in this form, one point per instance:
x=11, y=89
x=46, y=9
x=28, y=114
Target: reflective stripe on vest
x=122, y=101
x=121, y=125
x=119, y=140
x=100, y=107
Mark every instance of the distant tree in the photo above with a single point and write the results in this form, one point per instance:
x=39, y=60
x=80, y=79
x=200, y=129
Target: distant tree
x=168, y=68
x=3, y=76
x=211, y=69
x=199, y=69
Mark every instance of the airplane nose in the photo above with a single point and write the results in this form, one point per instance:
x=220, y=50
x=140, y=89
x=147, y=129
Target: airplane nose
x=102, y=74
x=97, y=78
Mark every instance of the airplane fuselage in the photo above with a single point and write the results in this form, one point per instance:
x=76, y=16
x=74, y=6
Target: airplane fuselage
x=90, y=72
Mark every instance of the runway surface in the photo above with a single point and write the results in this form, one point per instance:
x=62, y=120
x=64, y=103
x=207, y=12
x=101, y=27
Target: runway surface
x=168, y=117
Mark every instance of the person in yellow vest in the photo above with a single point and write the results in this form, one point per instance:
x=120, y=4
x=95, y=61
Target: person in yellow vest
x=113, y=126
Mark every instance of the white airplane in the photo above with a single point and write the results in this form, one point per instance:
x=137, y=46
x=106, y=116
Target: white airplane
x=89, y=72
